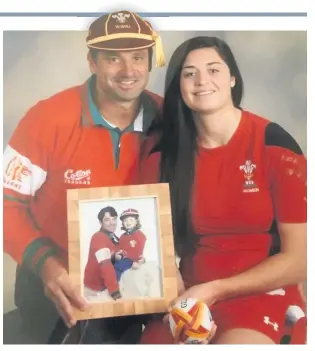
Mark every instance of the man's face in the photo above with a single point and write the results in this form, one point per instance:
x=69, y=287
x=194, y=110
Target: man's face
x=109, y=223
x=121, y=75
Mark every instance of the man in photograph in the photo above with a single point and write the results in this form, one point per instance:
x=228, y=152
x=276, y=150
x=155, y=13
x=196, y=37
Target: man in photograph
x=99, y=274
x=84, y=136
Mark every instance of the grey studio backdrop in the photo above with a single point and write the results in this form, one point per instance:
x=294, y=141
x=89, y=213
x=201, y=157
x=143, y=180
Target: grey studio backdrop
x=39, y=64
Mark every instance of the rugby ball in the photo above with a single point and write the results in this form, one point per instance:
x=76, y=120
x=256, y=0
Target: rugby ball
x=190, y=321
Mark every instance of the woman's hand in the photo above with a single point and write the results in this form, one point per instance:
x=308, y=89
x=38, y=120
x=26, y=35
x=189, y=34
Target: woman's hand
x=209, y=293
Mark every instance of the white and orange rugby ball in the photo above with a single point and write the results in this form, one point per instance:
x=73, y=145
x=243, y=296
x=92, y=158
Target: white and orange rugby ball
x=190, y=321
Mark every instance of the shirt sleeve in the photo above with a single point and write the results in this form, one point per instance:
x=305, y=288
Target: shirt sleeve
x=142, y=241
x=25, y=167
x=287, y=171
x=148, y=170
x=103, y=254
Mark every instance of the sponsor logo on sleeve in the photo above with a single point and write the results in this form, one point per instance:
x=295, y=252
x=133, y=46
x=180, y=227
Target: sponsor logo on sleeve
x=20, y=174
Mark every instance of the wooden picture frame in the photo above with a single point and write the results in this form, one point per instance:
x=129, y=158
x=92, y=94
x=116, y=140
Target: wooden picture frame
x=153, y=204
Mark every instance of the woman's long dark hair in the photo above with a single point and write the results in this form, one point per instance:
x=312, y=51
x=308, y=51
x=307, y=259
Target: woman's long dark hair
x=178, y=142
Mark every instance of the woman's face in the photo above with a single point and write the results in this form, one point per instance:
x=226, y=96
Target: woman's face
x=205, y=81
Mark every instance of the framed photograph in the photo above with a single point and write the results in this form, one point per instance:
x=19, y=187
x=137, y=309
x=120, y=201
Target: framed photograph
x=121, y=249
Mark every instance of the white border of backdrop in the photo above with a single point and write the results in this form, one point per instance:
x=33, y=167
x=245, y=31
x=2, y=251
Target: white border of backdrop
x=160, y=6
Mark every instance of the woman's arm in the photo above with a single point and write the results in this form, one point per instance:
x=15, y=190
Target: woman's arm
x=180, y=283
x=285, y=268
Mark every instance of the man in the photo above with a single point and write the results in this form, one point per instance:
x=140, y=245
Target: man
x=84, y=136
x=99, y=273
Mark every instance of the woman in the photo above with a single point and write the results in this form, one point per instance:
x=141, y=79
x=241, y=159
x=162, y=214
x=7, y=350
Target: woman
x=238, y=189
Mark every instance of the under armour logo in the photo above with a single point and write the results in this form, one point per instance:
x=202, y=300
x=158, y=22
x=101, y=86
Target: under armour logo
x=275, y=325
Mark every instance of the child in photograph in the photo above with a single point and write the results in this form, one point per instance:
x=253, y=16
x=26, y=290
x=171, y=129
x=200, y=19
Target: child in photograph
x=131, y=244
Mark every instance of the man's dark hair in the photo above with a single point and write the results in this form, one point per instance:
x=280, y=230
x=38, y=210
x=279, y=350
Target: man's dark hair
x=108, y=209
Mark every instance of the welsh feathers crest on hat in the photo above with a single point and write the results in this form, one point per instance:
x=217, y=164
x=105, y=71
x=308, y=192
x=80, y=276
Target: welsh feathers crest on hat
x=124, y=30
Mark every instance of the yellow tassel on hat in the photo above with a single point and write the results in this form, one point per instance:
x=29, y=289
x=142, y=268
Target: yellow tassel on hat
x=159, y=53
